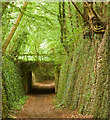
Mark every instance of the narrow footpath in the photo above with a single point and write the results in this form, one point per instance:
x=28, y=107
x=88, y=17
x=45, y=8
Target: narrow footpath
x=40, y=105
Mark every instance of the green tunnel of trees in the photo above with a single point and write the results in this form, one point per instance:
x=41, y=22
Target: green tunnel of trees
x=74, y=35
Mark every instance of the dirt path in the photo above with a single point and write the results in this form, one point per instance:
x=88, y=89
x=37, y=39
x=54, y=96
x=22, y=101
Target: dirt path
x=40, y=106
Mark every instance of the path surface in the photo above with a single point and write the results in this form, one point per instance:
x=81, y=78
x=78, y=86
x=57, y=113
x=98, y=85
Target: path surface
x=40, y=105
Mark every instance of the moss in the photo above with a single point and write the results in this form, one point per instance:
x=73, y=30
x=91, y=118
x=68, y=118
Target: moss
x=67, y=98
x=5, y=110
x=63, y=79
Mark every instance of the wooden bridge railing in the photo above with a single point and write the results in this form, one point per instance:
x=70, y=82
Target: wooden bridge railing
x=35, y=54
x=42, y=56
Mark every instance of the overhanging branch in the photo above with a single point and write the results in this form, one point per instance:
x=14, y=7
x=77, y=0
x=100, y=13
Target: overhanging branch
x=85, y=20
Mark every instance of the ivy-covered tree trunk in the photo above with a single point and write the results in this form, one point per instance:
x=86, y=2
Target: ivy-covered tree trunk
x=102, y=89
x=86, y=86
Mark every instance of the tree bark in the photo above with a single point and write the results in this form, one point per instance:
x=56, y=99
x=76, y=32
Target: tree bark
x=70, y=16
x=10, y=35
x=64, y=27
x=95, y=22
x=62, y=22
x=13, y=46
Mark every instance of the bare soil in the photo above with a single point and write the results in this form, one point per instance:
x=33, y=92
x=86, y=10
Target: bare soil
x=39, y=105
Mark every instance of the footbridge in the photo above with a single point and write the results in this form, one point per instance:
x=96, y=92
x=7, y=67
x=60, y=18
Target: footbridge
x=38, y=70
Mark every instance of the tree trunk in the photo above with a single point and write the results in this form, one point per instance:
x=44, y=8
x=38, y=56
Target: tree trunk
x=70, y=16
x=10, y=35
x=62, y=22
x=95, y=21
x=56, y=74
x=102, y=81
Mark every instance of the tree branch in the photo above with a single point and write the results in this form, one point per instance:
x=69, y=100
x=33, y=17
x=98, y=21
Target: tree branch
x=10, y=35
x=85, y=20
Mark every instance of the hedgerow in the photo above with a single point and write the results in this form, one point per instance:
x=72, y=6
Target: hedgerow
x=14, y=94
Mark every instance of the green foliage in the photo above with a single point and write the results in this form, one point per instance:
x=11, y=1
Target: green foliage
x=36, y=32
x=43, y=71
x=37, y=29
x=83, y=88
x=4, y=103
x=12, y=81
x=18, y=105
x=82, y=85
x=63, y=79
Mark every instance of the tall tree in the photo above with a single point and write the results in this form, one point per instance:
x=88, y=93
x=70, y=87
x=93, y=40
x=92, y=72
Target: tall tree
x=62, y=21
x=10, y=35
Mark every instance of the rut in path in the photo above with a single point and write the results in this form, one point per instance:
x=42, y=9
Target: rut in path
x=39, y=105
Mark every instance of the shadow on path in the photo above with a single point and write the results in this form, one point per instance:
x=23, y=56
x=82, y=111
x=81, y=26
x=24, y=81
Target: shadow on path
x=39, y=88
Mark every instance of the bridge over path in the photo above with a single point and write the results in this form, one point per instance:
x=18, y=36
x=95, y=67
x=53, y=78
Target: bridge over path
x=40, y=68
